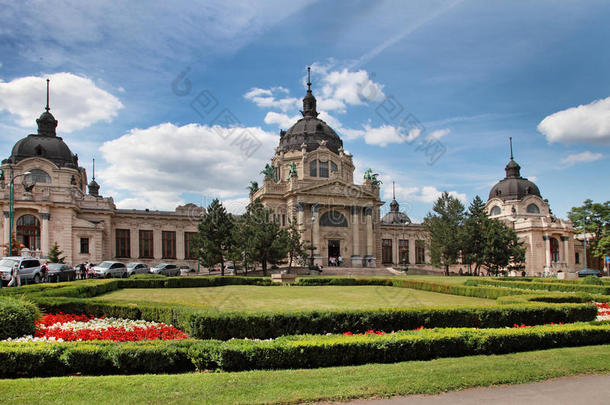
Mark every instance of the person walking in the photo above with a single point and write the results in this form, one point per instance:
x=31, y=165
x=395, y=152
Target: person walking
x=15, y=277
x=44, y=271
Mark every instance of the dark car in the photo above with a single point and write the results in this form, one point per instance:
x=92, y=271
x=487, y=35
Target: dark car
x=60, y=272
x=589, y=272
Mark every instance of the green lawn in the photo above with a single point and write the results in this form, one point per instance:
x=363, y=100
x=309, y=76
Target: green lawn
x=325, y=384
x=292, y=298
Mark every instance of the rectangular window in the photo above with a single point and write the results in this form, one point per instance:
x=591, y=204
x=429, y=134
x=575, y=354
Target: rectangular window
x=386, y=250
x=333, y=167
x=146, y=244
x=123, y=247
x=323, y=169
x=169, y=244
x=189, y=248
x=84, y=245
x=420, y=252
x=403, y=246
x=313, y=168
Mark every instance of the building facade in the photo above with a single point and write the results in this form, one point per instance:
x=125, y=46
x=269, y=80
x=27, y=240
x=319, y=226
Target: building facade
x=52, y=205
x=310, y=179
x=550, y=242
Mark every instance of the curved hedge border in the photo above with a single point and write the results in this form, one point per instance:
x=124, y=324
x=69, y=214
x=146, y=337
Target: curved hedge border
x=548, y=286
x=17, y=317
x=43, y=359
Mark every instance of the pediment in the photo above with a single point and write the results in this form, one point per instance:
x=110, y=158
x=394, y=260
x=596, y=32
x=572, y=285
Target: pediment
x=337, y=188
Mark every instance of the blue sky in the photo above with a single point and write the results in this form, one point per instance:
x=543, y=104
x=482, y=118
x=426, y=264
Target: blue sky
x=469, y=74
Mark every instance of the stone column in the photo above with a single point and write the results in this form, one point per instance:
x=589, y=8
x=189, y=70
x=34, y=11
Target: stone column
x=179, y=245
x=370, y=247
x=300, y=209
x=134, y=242
x=356, y=259
x=157, y=244
x=566, y=253
x=315, y=213
x=547, y=250
x=6, y=227
x=44, y=233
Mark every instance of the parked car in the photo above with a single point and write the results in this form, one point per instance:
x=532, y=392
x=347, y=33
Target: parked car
x=166, y=269
x=29, y=269
x=60, y=272
x=187, y=271
x=137, y=268
x=589, y=272
x=108, y=269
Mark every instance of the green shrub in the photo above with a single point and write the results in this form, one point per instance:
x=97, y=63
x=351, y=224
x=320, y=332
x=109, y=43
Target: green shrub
x=292, y=352
x=17, y=317
x=592, y=280
x=548, y=286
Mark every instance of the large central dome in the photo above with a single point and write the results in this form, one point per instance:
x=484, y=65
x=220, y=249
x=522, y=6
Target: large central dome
x=309, y=130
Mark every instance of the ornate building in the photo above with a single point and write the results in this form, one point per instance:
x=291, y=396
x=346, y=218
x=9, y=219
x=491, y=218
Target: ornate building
x=549, y=241
x=311, y=179
x=51, y=205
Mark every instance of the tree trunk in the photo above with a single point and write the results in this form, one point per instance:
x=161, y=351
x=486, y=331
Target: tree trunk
x=222, y=266
x=446, y=269
x=264, y=266
x=290, y=263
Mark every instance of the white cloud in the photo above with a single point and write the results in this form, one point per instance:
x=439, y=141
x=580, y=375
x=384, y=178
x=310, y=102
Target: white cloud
x=283, y=121
x=425, y=194
x=155, y=165
x=75, y=100
x=588, y=123
x=583, y=157
x=266, y=98
x=438, y=134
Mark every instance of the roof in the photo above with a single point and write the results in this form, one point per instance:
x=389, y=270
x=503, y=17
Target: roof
x=513, y=186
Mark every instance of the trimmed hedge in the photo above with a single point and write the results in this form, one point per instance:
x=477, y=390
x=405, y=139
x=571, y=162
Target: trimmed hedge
x=17, y=317
x=531, y=285
x=203, y=324
x=44, y=359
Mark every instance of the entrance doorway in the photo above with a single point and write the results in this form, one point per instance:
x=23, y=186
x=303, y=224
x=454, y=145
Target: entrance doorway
x=334, y=251
x=28, y=232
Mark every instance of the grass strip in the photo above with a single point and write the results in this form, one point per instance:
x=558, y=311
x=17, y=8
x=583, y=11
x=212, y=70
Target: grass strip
x=324, y=384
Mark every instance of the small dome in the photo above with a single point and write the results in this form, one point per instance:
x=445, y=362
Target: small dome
x=513, y=186
x=52, y=148
x=395, y=217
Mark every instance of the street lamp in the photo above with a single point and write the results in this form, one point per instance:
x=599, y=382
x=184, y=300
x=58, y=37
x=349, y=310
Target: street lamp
x=584, y=234
x=313, y=219
x=10, y=210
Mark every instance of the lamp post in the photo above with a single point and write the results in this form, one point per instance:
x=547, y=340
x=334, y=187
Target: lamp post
x=311, y=240
x=584, y=237
x=10, y=210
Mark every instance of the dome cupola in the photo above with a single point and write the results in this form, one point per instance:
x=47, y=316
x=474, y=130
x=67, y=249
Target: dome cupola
x=309, y=130
x=513, y=186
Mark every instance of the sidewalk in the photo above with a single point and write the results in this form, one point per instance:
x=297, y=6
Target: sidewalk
x=589, y=390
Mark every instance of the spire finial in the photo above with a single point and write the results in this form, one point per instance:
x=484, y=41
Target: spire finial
x=510, y=139
x=93, y=169
x=308, y=78
x=47, y=107
x=393, y=191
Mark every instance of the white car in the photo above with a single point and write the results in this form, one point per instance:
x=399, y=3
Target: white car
x=108, y=269
x=29, y=269
x=137, y=268
x=166, y=269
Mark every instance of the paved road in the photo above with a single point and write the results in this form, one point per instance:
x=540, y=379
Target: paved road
x=589, y=390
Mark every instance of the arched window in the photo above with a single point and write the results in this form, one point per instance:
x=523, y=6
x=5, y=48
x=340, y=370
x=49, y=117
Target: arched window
x=323, y=169
x=313, y=168
x=554, y=250
x=28, y=231
x=533, y=209
x=38, y=176
x=496, y=210
x=333, y=218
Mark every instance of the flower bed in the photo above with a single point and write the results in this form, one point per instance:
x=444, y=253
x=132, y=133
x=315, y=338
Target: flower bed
x=603, y=311
x=69, y=327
